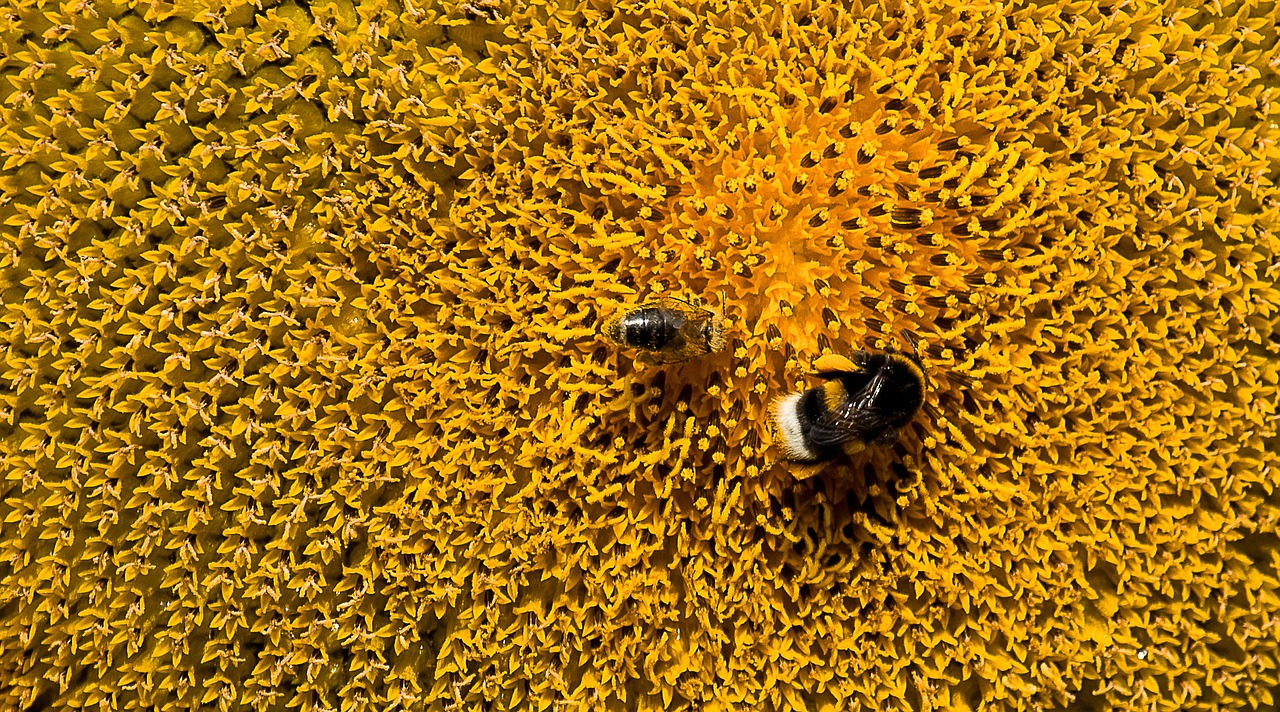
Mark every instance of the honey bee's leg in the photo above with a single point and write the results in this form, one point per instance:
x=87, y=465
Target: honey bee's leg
x=645, y=360
x=886, y=436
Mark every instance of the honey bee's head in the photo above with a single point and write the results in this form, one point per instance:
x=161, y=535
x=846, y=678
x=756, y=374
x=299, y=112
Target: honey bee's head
x=713, y=331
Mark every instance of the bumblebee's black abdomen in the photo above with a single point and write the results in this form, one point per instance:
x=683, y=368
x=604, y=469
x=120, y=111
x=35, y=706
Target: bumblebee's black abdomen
x=650, y=328
x=811, y=409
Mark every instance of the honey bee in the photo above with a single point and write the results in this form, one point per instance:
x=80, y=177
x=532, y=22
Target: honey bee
x=668, y=330
x=864, y=401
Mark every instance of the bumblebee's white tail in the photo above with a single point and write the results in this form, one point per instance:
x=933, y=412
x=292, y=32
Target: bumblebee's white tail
x=786, y=417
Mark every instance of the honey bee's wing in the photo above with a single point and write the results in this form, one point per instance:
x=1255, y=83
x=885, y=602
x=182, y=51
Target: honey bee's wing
x=677, y=304
x=683, y=313
x=700, y=331
x=854, y=418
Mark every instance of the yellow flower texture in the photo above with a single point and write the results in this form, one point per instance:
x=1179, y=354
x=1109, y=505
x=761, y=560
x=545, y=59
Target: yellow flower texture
x=304, y=406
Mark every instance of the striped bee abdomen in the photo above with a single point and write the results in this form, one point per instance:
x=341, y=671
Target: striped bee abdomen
x=651, y=328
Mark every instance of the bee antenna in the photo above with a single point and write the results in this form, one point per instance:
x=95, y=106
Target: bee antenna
x=911, y=340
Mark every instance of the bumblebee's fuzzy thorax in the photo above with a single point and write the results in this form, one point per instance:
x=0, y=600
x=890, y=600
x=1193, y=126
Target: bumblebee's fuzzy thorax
x=902, y=391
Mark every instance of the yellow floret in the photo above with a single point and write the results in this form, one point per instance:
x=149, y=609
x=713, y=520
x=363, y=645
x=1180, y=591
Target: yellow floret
x=302, y=403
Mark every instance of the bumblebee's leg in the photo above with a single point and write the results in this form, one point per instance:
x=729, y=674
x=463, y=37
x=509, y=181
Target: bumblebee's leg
x=911, y=341
x=853, y=447
x=886, y=436
x=805, y=470
x=643, y=359
x=832, y=366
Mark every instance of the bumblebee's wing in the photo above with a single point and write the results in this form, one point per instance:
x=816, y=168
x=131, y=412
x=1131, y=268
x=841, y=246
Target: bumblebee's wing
x=847, y=424
x=853, y=418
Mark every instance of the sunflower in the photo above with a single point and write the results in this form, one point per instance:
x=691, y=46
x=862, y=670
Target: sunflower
x=303, y=403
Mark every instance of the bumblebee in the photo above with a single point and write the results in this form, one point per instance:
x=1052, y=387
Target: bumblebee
x=669, y=330
x=864, y=401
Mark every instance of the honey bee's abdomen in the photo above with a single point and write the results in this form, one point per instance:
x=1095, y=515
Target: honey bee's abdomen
x=650, y=328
